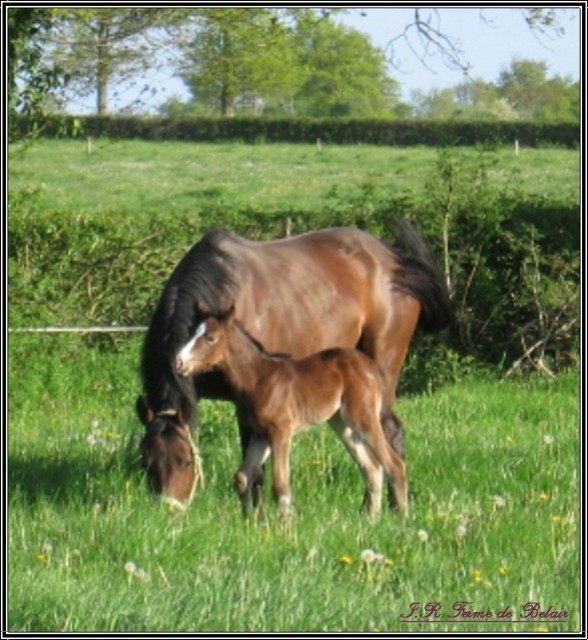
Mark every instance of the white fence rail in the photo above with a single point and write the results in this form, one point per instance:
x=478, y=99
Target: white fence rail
x=76, y=329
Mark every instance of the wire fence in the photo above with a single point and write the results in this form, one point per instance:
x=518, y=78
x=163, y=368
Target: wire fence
x=76, y=329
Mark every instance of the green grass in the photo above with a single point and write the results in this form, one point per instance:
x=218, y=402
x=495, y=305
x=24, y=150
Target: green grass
x=140, y=178
x=494, y=467
x=494, y=472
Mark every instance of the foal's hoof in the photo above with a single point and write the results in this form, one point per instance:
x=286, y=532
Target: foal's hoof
x=285, y=507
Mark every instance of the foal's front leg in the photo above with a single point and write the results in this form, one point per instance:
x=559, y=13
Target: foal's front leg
x=281, y=440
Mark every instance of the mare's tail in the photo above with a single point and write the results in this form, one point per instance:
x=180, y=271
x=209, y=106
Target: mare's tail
x=421, y=278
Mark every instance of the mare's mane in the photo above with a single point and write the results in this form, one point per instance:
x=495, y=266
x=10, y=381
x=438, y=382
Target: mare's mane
x=205, y=277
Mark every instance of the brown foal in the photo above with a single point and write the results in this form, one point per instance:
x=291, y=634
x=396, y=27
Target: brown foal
x=286, y=395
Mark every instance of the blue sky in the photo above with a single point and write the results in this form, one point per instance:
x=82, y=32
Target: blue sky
x=490, y=37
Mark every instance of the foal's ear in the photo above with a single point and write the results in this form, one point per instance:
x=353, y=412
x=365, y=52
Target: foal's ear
x=145, y=414
x=228, y=315
x=203, y=308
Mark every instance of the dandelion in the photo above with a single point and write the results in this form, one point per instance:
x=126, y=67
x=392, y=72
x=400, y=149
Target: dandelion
x=557, y=519
x=478, y=576
x=422, y=535
x=510, y=440
x=136, y=572
x=499, y=502
x=346, y=559
x=47, y=548
x=548, y=439
x=461, y=531
x=503, y=570
x=312, y=554
x=544, y=496
x=368, y=556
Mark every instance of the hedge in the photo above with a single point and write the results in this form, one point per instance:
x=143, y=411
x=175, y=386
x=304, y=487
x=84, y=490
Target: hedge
x=333, y=131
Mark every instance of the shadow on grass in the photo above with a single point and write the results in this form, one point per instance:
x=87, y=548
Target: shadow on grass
x=60, y=479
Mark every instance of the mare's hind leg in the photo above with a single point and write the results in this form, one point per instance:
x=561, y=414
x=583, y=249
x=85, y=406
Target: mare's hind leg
x=258, y=450
x=394, y=431
x=370, y=468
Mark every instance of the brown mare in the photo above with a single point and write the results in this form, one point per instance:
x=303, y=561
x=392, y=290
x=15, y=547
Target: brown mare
x=337, y=287
x=286, y=395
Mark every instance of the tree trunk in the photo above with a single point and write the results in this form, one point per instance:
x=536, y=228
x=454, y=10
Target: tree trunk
x=103, y=68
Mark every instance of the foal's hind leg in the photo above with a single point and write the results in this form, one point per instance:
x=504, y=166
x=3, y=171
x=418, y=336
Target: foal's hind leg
x=370, y=468
x=362, y=414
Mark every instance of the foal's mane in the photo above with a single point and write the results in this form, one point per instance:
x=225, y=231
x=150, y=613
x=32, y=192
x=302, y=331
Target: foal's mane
x=205, y=278
x=270, y=355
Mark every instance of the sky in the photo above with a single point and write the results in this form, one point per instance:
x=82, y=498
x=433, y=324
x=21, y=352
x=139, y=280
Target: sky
x=491, y=39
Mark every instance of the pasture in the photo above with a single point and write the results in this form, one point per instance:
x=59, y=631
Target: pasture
x=493, y=466
x=136, y=178
x=494, y=512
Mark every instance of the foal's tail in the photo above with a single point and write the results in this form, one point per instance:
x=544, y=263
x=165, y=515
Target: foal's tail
x=421, y=278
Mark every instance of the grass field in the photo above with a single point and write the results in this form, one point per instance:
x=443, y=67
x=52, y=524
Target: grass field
x=494, y=519
x=140, y=178
x=493, y=466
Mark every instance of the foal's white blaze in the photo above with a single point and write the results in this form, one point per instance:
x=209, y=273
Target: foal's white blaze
x=185, y=351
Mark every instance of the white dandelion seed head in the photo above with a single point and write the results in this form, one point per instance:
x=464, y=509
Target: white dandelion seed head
x=460, y=531
x=130, y=567
x=312, y=553
x=499, y=501
x=369, y=555
x=422, y=535
x=548, y=439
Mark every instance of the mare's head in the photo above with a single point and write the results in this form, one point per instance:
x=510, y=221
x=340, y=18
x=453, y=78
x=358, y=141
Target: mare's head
x=207, y=347
x=169, y=456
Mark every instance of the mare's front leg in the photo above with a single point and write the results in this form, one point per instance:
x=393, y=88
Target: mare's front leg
x=246, y=479
x=247, y=430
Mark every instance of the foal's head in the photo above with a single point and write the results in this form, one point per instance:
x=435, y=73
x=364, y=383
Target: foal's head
x=206, y=349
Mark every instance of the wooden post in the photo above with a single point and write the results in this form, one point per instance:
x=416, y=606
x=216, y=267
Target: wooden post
x=516, y=147
x=88, y=145
x=288, y=227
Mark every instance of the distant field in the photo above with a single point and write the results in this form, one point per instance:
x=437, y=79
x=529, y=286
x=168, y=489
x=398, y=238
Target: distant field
x=494, y=514
x=134, y=178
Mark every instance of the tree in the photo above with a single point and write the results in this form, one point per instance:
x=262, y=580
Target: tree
x=100, y=46
x=346, y=74
x=522, y=92
x=239, y=54
x=526, y=87
x=29, y=76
